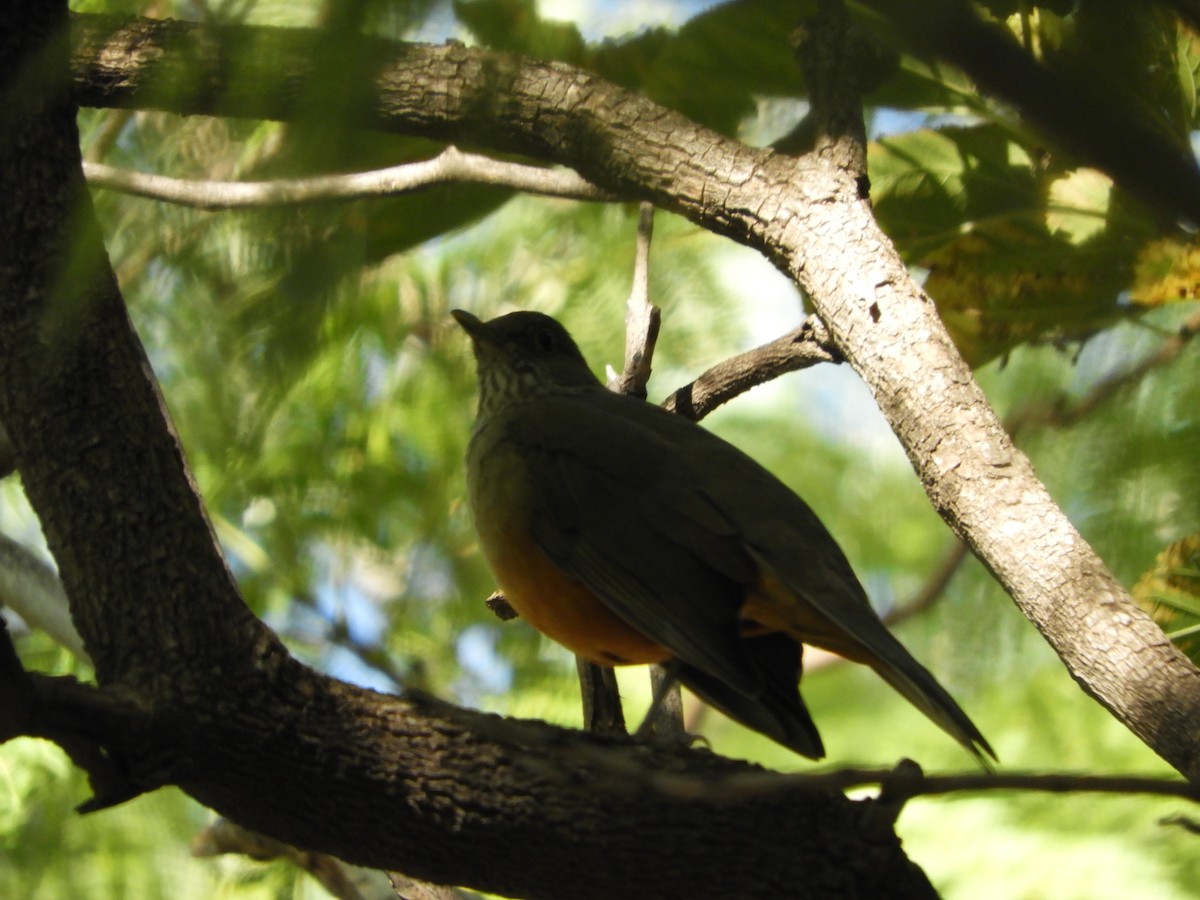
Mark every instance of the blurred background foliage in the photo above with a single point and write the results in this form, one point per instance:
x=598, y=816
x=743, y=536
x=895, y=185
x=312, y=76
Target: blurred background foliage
x=324, y=398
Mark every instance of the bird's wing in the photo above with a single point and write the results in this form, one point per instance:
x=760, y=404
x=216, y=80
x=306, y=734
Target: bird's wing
x=795, y=551
x=670, y=526
x=611, y=510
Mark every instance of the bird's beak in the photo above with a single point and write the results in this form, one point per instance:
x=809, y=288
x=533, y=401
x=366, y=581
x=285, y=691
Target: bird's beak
x=474, y=326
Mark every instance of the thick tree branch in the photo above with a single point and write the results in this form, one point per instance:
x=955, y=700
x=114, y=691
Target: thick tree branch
x=519, y=808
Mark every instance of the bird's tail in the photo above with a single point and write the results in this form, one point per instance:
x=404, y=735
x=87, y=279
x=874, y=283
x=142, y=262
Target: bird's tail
x=840, y=619
x=775, y=710
x=918, y=686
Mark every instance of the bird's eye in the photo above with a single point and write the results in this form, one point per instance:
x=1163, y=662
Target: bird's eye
x=545, y=342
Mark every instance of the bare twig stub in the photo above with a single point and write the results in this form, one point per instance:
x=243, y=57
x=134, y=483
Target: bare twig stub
x=642, y=318
x=805, y=346
x=601, y=699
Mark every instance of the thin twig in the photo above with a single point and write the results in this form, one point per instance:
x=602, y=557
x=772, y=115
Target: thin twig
x=339, y=634
x=341, y=880
x=449, y=165
x=933, y=588
x=225, y=837
x=1058, y=414
x=907, y=780
x=664, y=719
x=642, y=318
x=1187, y=823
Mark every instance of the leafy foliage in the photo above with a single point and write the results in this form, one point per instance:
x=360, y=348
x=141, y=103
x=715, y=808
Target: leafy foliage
x=1171, y=593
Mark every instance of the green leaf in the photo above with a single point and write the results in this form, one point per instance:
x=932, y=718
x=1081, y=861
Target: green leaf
x=1170, y=592
x=721, y=61
x=1012, y=252
x=928, y=184
x=515, y=26
x=713, y=69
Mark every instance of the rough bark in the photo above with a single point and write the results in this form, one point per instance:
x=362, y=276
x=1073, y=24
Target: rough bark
x=807, y=215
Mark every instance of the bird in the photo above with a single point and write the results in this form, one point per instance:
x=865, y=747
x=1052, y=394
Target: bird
x=632, y=535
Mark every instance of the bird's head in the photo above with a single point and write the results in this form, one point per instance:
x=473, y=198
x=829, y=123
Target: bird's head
x=523, y=355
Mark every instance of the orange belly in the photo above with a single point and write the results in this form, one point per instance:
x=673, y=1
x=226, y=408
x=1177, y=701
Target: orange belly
x=774, y=607
x=546, y=597
x=567, y=612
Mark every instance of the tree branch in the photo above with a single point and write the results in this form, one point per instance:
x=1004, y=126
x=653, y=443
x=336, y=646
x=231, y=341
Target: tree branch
x=341, y=881
x=410, y=783
x=798, y=349
x=929, y=593
x=601, y=697
x=1057, y=414
x=1054, y=413
x=664, y=719
x=907, y=780
x=443, y=794
x=449, y=165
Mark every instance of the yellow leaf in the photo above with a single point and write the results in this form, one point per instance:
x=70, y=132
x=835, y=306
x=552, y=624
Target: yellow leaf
x=1167, y=270
x=1170, y=592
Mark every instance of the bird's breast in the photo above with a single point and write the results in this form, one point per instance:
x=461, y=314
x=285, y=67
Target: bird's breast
x=501, y=493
